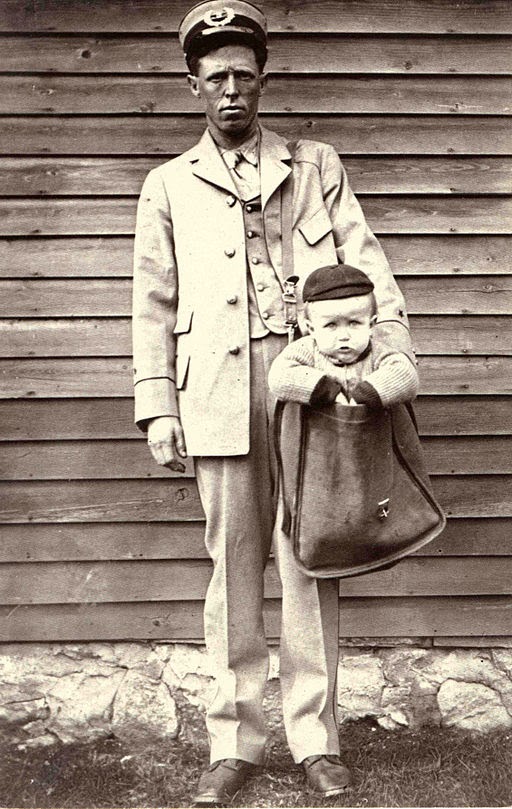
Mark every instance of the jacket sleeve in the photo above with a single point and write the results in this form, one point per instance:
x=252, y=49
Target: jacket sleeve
x=356, y=245
x=394, y=380
x=292, y=377
x=155, y=292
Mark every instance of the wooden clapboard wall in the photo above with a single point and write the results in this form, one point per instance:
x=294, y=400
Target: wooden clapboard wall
x=96, y=541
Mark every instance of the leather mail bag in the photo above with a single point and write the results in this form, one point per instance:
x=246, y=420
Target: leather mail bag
x=356, y=493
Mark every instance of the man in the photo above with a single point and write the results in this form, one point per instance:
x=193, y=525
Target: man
x=208, y=321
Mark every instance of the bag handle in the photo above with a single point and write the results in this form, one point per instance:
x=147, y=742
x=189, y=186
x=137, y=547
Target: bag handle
x=290, y=304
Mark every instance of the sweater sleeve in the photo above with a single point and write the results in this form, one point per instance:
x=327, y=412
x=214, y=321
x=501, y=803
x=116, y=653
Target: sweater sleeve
x=292, y=376
x=394, y=380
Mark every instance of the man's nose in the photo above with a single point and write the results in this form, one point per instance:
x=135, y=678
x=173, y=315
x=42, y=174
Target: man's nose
x=231, y=88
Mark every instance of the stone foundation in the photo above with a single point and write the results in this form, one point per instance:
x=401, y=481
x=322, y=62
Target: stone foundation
x=79, y=692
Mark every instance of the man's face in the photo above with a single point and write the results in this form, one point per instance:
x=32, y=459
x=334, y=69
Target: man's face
x=341, y=327
x=230, y=85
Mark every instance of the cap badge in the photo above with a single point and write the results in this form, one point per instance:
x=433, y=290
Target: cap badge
x=220, y=17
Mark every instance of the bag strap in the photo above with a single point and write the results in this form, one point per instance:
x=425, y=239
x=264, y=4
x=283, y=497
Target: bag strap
x=290, y=304
x=287, y=215
x=290, y=280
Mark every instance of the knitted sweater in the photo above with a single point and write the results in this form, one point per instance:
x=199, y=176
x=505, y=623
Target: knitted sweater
x=382, y=377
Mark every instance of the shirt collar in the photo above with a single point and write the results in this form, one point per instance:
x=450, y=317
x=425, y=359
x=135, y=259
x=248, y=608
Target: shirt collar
x=249, y=149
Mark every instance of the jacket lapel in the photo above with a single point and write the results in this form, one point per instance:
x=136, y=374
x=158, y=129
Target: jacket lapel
x=208, y=164
x=274, y=164
x=275, y=167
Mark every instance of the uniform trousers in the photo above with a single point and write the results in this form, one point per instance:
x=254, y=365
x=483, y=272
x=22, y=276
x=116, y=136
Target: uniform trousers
x=236, y=494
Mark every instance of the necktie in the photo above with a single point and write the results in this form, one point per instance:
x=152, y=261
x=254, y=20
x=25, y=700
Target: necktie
x=245, y=174
x=233, y=160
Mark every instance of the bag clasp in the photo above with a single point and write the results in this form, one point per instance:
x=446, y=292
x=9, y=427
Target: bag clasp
x=290, y=305
x=383, y=510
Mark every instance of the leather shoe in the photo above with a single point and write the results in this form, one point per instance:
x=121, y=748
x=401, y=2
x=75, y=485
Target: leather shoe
x=326, y=775
x=219, y=784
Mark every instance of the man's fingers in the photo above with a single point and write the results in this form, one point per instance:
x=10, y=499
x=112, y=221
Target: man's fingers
x=180, y=443
x=166, y=441
x=164, y=454
x=161, y=452
x=176, y=466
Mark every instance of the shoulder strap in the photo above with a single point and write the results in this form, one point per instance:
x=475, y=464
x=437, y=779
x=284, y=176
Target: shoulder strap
x=291, y=315
x=290, y=280
x=287, y=216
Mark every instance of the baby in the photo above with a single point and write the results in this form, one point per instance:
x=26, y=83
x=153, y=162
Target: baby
x=337, y=361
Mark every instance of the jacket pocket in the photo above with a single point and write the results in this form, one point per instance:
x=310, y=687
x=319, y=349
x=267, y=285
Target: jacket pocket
x=182, y=364
x=183, y=321
x=315, y=228
x=182, y=331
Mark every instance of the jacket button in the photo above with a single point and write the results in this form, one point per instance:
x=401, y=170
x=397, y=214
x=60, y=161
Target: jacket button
x=232, y=299
x=260, y=287
x=234, y=350
x=230, y=252
x=250, y=234
x=248, y=208
x=265, y=315
x=230, y=201
x=255, y=260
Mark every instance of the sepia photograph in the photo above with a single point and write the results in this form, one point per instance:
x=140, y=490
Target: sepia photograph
x=255, y=403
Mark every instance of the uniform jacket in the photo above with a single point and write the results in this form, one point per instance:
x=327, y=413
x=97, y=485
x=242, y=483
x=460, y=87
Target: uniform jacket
x=191, y=343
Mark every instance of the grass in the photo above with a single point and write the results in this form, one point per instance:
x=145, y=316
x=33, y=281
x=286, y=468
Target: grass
x=427, y=767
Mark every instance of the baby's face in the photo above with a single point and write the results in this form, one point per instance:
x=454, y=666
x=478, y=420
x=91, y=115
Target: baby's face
x=341, y=327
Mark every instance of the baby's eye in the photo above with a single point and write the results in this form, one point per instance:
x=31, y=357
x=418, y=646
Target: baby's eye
x=354, y=323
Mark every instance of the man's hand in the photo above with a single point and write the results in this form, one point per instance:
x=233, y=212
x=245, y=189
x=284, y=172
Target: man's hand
x=167, y=442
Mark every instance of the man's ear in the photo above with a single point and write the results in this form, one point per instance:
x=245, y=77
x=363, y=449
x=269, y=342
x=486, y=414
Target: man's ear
x=263, y=83
x=309, y=326
x=193, y=84
x=373, y=320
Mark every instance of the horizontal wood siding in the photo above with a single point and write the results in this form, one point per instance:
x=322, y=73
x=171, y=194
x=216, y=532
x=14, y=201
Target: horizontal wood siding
x=415, y=96
x=111, y=256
